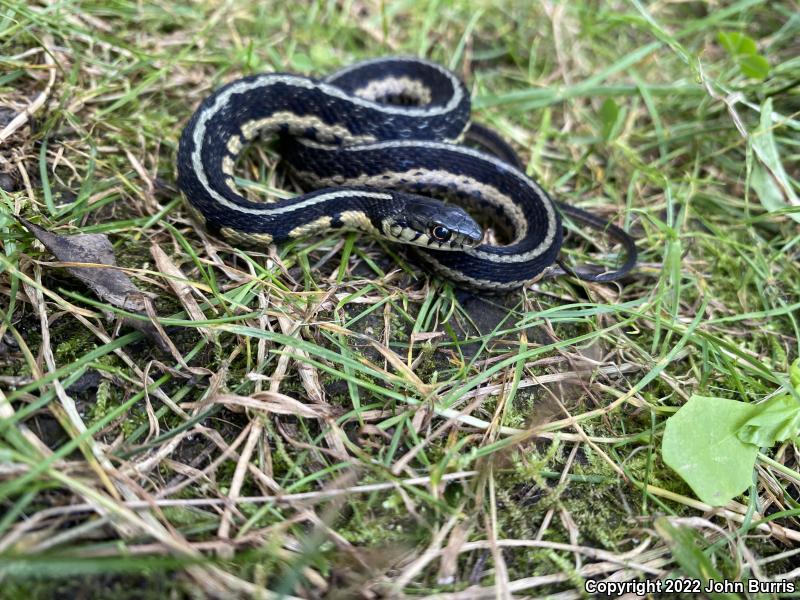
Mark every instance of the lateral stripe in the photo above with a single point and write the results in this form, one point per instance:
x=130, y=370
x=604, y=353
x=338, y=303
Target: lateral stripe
x=240, y=132
x=552, y=220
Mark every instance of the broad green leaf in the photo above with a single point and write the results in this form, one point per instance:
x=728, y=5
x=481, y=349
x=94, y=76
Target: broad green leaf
x=769, y=179
x=737, y=44
x=609, y=113
x=701, y=445
x=754, y=66
x=683, y=543
x=775, y=420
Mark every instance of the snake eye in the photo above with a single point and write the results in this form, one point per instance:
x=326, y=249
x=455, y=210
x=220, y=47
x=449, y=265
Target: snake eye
x=440, y=233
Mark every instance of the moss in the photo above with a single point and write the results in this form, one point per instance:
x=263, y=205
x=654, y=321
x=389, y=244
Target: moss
x=101, y=405
x=146, y=585
x=427, y=362
x=71, y=342
x=399, y=327
x=383, y=522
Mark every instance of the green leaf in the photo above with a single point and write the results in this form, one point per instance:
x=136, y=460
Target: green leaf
x=683, y=543
x=701, y=445
x=737, y=44
x=301, y=63
x=754, y=66
x=323, y=57
x=794, y=374
x=768, y=178
x=775, y=420
x=5, y=217
x=744, y=51
x=609, y=114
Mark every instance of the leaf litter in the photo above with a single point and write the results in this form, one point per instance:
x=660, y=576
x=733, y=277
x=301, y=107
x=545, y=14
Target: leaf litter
x=103, y=277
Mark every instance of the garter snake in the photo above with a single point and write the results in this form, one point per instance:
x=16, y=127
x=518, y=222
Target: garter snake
x=381, y=145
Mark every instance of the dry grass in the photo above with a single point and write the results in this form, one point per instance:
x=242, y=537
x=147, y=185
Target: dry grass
x=325, y=420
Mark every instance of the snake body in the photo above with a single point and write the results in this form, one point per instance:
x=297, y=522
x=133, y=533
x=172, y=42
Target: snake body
x=381, y=141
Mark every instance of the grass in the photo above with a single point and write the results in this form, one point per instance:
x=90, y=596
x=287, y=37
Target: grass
x=334, y=423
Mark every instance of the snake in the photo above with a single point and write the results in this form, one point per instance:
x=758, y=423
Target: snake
x=385, y=147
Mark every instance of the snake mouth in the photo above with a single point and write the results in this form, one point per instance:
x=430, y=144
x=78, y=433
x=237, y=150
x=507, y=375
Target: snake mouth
x=436, y=237
x=459, y=235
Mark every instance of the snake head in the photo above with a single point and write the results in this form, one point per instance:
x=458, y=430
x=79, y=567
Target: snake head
x=432, y=224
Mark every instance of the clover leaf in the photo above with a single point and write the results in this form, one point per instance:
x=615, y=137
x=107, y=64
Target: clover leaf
x=743, y=50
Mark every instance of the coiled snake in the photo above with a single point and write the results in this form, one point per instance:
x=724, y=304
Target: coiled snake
x=382, y=139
